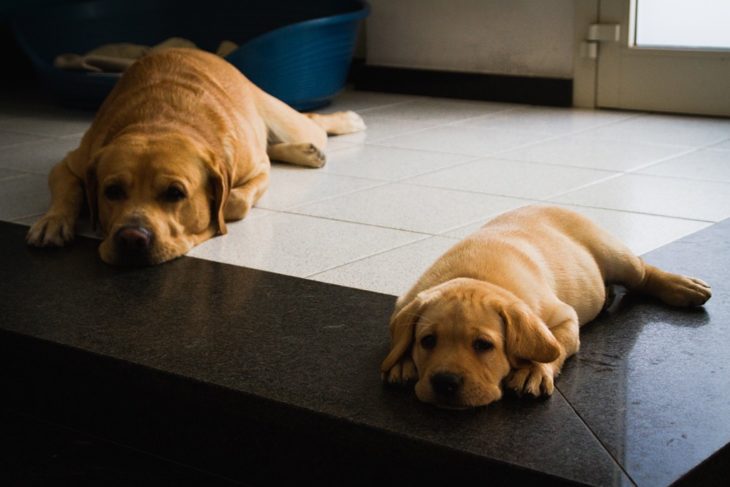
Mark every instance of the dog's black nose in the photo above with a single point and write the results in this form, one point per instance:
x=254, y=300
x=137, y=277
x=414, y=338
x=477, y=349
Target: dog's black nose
x=446, y=385
x=133, y=240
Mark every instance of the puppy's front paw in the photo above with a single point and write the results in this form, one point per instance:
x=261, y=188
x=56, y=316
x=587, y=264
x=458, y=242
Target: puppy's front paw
x=51, y=231
x=536, y=379
x=403, y=372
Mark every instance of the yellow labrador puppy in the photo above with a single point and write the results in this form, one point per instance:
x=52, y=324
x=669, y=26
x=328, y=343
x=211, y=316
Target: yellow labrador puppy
x=181, y=145
x=506, y=304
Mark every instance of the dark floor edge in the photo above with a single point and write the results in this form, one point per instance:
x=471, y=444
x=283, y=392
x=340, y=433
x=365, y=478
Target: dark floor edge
x=461, y=85
x=220, y=431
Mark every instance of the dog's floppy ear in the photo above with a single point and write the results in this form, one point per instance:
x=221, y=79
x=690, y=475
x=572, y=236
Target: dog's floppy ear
x=91, y=188
x=402, y=326
x=527, y=336
x=220, y=184
x=219, y=180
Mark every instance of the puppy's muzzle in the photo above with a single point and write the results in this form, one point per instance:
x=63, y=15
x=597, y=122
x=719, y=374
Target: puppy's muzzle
x=446, y=386
x=133, y=244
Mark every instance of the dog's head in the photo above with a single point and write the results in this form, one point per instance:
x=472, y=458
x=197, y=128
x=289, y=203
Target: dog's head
x=155, y=196
x=464, y=337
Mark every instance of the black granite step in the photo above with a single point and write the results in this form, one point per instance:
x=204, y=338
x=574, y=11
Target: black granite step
x=262, y=378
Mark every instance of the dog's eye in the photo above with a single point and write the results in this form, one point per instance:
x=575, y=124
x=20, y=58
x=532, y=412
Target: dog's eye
x=114, y=192
x=173, y=194
x=428, y=342
x=482, y=345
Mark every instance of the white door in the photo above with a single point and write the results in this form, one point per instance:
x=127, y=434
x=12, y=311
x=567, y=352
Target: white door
x=656, y=55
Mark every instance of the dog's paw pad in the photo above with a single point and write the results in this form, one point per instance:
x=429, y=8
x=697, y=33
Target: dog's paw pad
x=315, y=156
x=536, y=380
x=51, y=231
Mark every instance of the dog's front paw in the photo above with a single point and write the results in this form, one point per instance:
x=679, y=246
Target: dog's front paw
x=536, y=379
x=403, y=372
x=347, y=123
x=51, y=231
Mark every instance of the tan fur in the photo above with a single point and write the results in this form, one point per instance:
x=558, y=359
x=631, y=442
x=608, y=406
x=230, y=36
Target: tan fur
x=524, y=284
x=184, y=118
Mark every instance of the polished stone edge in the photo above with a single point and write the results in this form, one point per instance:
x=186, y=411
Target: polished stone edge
x=232, y=434
x=35, y=452
x=715, y=470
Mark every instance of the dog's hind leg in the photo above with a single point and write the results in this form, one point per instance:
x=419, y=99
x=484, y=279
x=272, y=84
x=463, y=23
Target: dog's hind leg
x=674, y=289
x=298, y=138
x=339, y=123
x=621, y=266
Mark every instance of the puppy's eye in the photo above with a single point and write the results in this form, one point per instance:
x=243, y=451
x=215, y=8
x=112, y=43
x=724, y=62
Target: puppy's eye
x=173, y=194
x=428, y=342
x=114, y=192
x=481, y=345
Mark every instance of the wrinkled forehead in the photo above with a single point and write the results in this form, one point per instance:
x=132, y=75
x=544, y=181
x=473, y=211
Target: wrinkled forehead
x=152, y=160
x=460, y=312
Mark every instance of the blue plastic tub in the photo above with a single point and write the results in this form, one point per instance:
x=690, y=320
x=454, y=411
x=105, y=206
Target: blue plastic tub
x=298, y=51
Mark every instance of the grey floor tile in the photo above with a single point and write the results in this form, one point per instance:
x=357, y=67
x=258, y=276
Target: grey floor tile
x=440, y=110
x=595, y=152
x=410, y=207
x=23, y=196
x=10, y=139
x=299, y=245
x=9, y=174
x=710, y=164
x=682, y=198
x=465, y=139
x=388, y=163
x=511, y=178
x=291, y=186
x=667, y=129
x=391, y=272
x=548, y=120
x=38, y=157
x=49, y=124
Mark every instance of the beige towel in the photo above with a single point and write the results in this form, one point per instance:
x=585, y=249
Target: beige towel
x=115, y=58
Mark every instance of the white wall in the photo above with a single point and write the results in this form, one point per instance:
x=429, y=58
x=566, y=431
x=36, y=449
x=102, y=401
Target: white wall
x=513, y=37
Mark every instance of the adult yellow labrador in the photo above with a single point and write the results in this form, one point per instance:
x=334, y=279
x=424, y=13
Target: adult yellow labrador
x=506, y=304
x=181, y=145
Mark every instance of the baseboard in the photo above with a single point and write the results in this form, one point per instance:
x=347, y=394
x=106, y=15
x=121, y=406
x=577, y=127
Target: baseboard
x=470, y=86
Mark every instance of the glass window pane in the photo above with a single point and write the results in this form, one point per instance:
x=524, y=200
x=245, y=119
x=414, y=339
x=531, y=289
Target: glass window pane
x=683, y=23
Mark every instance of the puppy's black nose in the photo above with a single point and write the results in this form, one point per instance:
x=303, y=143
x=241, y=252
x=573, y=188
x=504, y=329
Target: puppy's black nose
x=446, y=385
x=133, y=240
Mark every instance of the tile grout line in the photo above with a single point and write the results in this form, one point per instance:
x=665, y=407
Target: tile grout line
x=595, y=435
x=381, y=252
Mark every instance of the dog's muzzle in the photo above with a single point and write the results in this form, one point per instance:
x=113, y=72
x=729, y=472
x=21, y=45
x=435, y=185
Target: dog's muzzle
x=446, y=386
x=133, y=244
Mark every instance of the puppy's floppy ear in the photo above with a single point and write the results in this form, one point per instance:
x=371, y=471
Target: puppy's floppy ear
x=527, y=336
x=402, y=326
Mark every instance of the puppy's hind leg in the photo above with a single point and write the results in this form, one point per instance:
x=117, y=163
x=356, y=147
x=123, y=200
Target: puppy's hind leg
x=674, y=289
x=621, y=266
